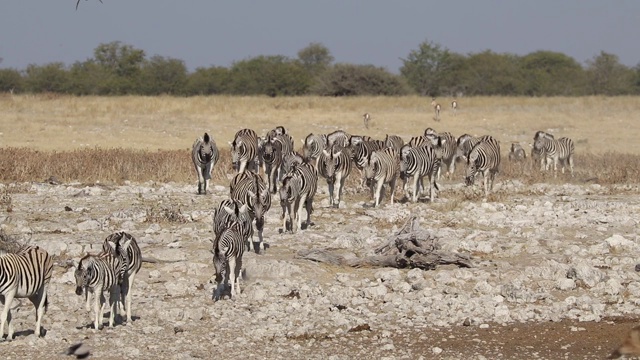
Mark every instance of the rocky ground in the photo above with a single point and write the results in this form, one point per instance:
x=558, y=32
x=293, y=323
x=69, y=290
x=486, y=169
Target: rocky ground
x=553, y=276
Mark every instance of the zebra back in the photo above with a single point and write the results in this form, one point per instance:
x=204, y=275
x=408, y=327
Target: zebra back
x=27, y=271
x=393, y=141
x=339, y=138
x=205, y=154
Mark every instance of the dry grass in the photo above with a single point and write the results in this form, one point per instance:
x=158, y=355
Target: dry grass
x=114, y=139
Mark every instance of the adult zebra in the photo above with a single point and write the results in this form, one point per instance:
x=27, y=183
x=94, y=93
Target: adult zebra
x=297, y=190
x=228, y=248
x=205, y=155
x=96, y=274
x=466, y=142
x=312, y=147
x=272, y=158
x=335, y=166
x=484, y=158
x=244, y=150
x=382, y=167
x=361, y=153
x=560, y=150
x=249, y=188
x=24, y=274
x=445, y=146
x=415, y=163
x=393, y=141
x=125, y=246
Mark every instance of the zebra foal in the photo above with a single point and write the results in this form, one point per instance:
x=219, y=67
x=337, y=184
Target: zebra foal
x=97, y=274
x=228, y=248
x=205, y=155
x=25, y=274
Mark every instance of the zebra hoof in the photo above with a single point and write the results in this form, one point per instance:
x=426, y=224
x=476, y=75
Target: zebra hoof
x=335, y=206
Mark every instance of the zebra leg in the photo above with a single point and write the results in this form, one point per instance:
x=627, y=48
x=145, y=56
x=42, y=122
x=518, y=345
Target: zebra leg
x=378, y=190
x=392, y=188
x=38, y=300
x=340, y=182
x=284, y=218
x=128, y=296
x=237, y=273
x=331, y=189
x=414, y=196
x=5, y=317
x=232, y=275
x=309, y=207
x=301, y=203
x=114, y=294
x=98, y=303
x=570, y=161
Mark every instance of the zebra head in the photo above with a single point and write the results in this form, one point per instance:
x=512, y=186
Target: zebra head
x=84, y=273
x=237, y=149
x=372, y=167
x=330, y=164
x=470, y=174
x=261, y=203
x=286, y=190
x=220, y=264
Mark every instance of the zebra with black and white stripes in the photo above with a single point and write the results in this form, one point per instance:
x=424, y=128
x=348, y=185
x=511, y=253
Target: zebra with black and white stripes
x=125, y=246
x=445, y=146
x=24, y=274
x=312, y=147
x=244, y=151
x=298, y=189
x=272, y=158
x=560, y=150
x=339, y=138
x=335, y=166
x=393, y=141
x=361, y=153
x=484, y=158
x=96, y=274
x=228, y=248
x=249, y=188
x=290, y=160
x=228, y=212
x=382, y=167
x=205, y=156
x=417, y=163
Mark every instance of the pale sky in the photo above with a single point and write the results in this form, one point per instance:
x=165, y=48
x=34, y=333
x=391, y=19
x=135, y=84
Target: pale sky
x=207, y=33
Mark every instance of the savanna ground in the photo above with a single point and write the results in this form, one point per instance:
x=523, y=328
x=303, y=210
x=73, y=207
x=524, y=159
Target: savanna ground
x=138, y=139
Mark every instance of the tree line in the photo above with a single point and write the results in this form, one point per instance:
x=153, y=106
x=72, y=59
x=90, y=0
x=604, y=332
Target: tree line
x=429, y=70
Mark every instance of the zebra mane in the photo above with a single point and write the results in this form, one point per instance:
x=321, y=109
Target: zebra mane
x=206, y=138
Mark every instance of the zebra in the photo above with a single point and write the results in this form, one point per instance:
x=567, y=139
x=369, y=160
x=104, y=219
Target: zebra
x=244, y=150
x=312, y=146
x=445, y=146
x=125, y=246
x=517, y=153
x=383, y=166
x=366, y=118
x=419, y=162
x=25, y=274
x=228, y=212
x=484, y=158
x=272, y=158
x=418, y=141
x=228, y=248
x=466, y=142
x=393, y=141
x=335, y=166
x=249, y=188
x=96, y=274
x=361, y=153
x=339, y=138
x=297, y=190
x=454, y=106
x=205, y=155
x=436, y=107
x=554, y=150
x=290, y=160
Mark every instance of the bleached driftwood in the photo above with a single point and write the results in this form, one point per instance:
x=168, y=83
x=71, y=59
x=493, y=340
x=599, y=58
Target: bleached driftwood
x=411, y=247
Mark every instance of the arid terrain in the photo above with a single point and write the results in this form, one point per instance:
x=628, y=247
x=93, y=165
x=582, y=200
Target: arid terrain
x=553, y=272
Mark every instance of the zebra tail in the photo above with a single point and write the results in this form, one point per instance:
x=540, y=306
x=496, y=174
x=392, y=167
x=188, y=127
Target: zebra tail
x=46, y=304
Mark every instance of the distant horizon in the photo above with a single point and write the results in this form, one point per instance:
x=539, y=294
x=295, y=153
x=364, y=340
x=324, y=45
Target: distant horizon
x=363, y=32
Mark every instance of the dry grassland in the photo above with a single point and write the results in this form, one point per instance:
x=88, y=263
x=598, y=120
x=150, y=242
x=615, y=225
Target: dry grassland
x=136, y=138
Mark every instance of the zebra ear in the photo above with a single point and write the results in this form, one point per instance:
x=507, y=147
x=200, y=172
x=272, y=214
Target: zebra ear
x=337, y=154
x=242, y=209
x=251, y=193
x=125, y=245
x=112, y=245
x=229, y=210
x=325, y=152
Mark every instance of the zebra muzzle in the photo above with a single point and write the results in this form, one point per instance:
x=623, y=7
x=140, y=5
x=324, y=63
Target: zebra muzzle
x=78, y=290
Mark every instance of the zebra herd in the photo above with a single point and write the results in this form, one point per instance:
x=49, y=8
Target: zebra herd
x=26, y=273
x=293, y=177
